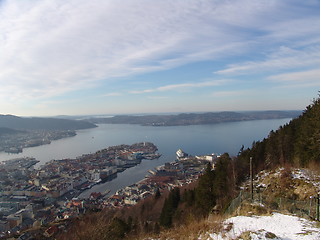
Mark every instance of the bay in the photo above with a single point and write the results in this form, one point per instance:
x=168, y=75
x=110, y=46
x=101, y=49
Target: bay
x=193, y=139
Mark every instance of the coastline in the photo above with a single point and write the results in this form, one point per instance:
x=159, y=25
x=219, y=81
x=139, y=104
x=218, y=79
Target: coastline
x=66, y=179
x=31, y=138
x=177, y=173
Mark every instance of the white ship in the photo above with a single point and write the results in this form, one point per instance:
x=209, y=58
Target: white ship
x=181, y=154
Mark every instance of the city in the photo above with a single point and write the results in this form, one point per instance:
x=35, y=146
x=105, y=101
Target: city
x=45, y=197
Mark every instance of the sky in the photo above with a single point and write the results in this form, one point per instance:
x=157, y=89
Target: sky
x=81, y=57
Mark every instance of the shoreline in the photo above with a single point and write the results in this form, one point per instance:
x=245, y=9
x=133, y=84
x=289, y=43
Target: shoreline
x=173, y=174
x=35, y=139
x=101, y=166
x=66, y=179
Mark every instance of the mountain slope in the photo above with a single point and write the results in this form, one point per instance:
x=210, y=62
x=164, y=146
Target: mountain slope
x=37, y=123
x=4, y=130
x=297, y=143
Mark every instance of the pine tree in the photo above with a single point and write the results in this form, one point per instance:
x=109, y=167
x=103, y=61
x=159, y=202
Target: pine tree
x=117, y=229
x=295, y=143
x=204, y=194
x=169, y=208
x=157, y=194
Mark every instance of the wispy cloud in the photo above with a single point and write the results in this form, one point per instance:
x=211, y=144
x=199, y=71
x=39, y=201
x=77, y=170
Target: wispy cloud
x=51, y=47
x=157, y=97
x=220, y=94
x=282, y=58
x=290, y=42
x=182, y=86
x=112, y=94
x=302, y=77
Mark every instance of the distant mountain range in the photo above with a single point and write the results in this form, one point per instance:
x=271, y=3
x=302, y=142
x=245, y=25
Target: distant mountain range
x=10, y=122
x=195, y=118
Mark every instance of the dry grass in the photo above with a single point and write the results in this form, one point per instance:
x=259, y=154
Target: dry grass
x=283, y=185
x=190, y=231
x=315, y=167
x=251, y=209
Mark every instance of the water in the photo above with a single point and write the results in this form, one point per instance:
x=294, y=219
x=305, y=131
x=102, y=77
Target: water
x=195, y=140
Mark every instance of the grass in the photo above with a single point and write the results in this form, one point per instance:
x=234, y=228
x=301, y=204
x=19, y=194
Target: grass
x=190, y=231
x=250, y=209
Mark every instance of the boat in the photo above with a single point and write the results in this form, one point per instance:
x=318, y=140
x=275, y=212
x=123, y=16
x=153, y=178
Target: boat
x=181, y=154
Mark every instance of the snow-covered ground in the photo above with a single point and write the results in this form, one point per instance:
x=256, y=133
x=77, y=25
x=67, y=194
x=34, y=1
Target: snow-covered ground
x=276, y=226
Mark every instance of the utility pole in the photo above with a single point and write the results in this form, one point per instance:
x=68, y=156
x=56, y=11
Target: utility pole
x=251, y=179
x=318, y=205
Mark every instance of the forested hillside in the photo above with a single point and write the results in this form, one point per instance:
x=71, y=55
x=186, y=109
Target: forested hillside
x=297, y=143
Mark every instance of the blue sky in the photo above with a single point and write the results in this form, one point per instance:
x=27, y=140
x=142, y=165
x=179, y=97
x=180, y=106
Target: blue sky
x=139, y=56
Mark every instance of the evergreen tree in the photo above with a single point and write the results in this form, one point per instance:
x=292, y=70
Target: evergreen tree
x=204, y=194
x=116, y=229
x=169, y=208
x=295, y=143
x=166, y=214
x=157, y=194
x=189, y=197
x=223, y=185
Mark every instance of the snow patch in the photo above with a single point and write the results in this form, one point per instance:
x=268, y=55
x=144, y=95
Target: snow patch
x=307, y=176
x=276, y=226
x=301, y=174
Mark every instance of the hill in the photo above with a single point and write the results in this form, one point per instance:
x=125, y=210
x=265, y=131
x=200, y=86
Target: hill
x=284, y=207
x=296, y=143
x=4, y=130
x=195, y=118
x=37, y=123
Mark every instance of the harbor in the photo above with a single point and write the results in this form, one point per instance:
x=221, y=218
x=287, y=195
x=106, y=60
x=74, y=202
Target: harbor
x=182, y=171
